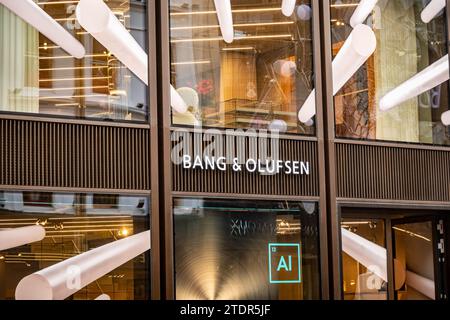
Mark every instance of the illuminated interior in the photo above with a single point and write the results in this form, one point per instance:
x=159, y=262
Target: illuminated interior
x=74, y=223
x=38, y=76
x=221, y=249
x=256, y=81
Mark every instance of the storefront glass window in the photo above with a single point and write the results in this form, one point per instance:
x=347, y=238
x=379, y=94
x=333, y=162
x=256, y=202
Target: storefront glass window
x=38, y=76
x=364, y=259
x=253, y=72
x=390, y=71
x=74, y=224
x=237, y=249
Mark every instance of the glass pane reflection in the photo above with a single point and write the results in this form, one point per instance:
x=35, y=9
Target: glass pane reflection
x=221, y=249
x=74, y=223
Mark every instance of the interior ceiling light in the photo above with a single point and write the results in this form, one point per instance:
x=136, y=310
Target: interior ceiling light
x=51, y=283
x=287, y=7
x=427, y=79
x=362, y=11
x=16, y=237
x=358, y=47
x=39, y=19
x=432, y=10
x=446, y=118
x=96, y=18
x=225, y=17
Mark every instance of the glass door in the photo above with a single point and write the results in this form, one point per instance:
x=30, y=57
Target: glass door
x=418, y=254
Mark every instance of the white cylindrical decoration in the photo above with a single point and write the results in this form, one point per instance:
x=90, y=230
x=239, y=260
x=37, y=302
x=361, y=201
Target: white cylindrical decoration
x=30, y=12
x=369, y=254
x=421, y=284
x=287, y=7
x=103, y=297
x=359, y=46
x=63, y=279
x=362, y=11
x=97, y=19
x=432, y=10
x=304, y=12
x=11, y=238
x=446, y=118
x=225, y=17
x=177, y=101
x=427, y=79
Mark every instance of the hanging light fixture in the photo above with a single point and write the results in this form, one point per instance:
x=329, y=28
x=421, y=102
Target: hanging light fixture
x=362, y=11
x=287, y=7
x=358, y=47
x=432, y=10
x=31, y=13
x=446, y=118
x=97, y=19
x=52, y=283
x=225, y=17
x=16, y=237
x=427, y=79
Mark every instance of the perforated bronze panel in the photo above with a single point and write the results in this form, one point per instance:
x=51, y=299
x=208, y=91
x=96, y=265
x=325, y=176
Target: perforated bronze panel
x=34, y=153
x=229, y=181
x=392, y=173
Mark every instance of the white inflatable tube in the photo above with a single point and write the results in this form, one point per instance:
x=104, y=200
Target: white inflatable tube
x=225, y=17
x=432, y=10
x=97, y=19
x=446, y=118
x=427, y=79
x=63, y=279
x=12, y=238
x=103, y=297
x=31, y=13
x=288, y=7
x=421, y=284
x=362, y=11
x=365, y=252
x=358, y=47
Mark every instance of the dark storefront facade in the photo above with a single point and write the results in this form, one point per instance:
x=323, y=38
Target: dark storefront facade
x=305, y=158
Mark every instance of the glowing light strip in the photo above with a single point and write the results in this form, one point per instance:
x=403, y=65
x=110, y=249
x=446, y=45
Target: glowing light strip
x=75, y=96
x=412, y=234
x=74, y=88
x=190, y=62
x=73, y=68
x=232, y=11
x=240, y=25
x=70, y=57
x=276, y=36
x=75, y=79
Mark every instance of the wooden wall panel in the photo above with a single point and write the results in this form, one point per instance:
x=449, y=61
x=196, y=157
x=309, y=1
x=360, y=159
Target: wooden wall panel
x=34, y=153
x=392, y=173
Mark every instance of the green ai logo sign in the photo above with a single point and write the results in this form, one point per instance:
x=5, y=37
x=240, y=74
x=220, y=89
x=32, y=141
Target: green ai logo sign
x=284, y=263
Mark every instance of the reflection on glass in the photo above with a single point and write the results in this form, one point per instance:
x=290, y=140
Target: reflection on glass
x=259, y=80
x=364, y=259
x=74, y=223
x=414, y=253
x=37, y=76
x=221, y=250
x=385, y=100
